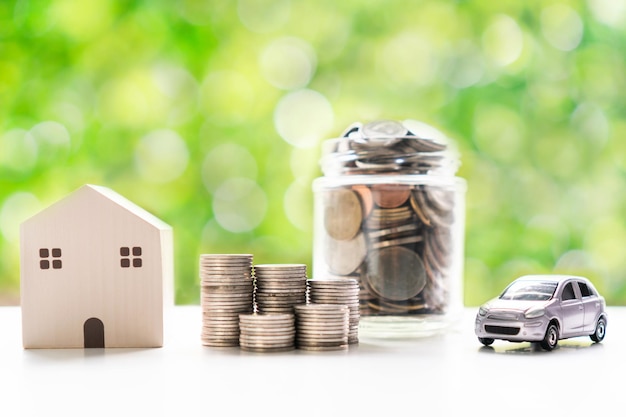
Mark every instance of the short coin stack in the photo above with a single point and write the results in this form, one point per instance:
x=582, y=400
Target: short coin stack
x=227, y=289
x=338, y=291
x=322, y=327
x=279, y=287
x=267, y=332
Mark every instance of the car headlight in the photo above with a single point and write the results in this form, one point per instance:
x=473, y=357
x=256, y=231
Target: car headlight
x=534, y=313
x=483, y=310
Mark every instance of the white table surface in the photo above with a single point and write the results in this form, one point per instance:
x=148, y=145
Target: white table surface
x=448, y=375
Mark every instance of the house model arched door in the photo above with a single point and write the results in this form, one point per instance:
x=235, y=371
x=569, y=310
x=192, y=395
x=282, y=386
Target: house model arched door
x=93, y=331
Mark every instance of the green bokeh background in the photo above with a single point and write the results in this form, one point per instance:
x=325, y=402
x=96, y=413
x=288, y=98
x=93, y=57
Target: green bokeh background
x=210, y=114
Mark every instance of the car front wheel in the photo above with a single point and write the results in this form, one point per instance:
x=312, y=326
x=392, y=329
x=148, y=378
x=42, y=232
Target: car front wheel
x=485, y=340
x=551, y=338
x=598, y=335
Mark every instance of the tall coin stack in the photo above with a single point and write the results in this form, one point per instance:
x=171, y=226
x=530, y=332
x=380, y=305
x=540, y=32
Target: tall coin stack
x=267, y=332
x=322, y=326
x=340, y=292
x=279, y=287
x=227, y=289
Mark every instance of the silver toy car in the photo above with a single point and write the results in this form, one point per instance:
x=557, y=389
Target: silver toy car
x=545, y=309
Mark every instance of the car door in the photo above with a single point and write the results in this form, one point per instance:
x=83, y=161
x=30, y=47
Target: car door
x=591, y=306
x=572, y=310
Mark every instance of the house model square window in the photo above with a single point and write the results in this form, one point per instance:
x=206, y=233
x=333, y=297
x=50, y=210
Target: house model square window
x=44, y=258
x=131, y=256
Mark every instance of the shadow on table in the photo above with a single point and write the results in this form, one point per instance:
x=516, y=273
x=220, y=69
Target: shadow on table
x=534, y=348
x=60, y=355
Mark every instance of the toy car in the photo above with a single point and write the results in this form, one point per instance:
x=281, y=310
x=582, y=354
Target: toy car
x=544, y=309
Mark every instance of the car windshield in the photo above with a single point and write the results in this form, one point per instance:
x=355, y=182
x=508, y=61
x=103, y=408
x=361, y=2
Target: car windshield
x=529, y=290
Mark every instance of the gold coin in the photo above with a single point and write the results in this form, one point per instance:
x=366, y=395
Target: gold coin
x=342, y=214
x=367, y=201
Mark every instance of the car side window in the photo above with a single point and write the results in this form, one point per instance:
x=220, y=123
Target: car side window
x=584, y=289
x=568, y=292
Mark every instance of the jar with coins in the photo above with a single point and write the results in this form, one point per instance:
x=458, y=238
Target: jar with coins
x=389, y=211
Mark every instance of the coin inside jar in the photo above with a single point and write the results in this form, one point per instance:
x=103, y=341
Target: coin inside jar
x=365, y=195
x=342, y=214
x=383, y=129
x=390, y=195
x=395, y=273
x=344, y=256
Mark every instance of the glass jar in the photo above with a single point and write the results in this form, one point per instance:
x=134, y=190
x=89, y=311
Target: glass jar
x=390, y=212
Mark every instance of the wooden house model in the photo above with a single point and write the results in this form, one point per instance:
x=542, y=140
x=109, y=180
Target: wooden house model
x=95, y=272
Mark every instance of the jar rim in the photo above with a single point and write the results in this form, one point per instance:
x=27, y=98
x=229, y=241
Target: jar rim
x=389, y=147
x=453, y=182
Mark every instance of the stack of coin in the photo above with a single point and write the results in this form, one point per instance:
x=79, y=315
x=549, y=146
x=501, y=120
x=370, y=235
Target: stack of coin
x=278, y=287
x=322, y=326
x=267, y=332
x=227, y=289
x=341, y=292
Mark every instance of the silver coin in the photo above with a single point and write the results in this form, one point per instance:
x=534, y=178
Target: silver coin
x=209, y=293
x=322, y=341
x=234, y=307
x=335, y=297
x=395, y=273
x=392, y=231
x=285, y=283
x=293, y=298
x=226, y=289
x=303, y=329
x=234, y=278
x=266, y=339
x=323, y=348
x=220, y=344
x=279, y=267
x=434, y=212
x=273, y=338
x=349, y=292
x=228, y=256
x=333, y=283
x=267, y=349
x=334, y=293
x=397, y=242
x=281, y=293
x=264, y=332
x=271, y=310
x=384, y=129
x=273, y=326
x=321, y=308
x=440, y=199
x=267, y=318
x=334, y=300
x=227, y=300
x=344, y=256
x=276, y=326
x=321, y=344
x=231, y=319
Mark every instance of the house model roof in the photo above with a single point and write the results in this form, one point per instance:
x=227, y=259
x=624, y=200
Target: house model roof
x=116, y=198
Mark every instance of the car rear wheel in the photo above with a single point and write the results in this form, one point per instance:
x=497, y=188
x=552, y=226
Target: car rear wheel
x=551, y=338
x=485, y=340
x=600, y=331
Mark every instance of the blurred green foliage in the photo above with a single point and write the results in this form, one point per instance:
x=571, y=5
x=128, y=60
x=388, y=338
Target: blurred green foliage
x=210, y=114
